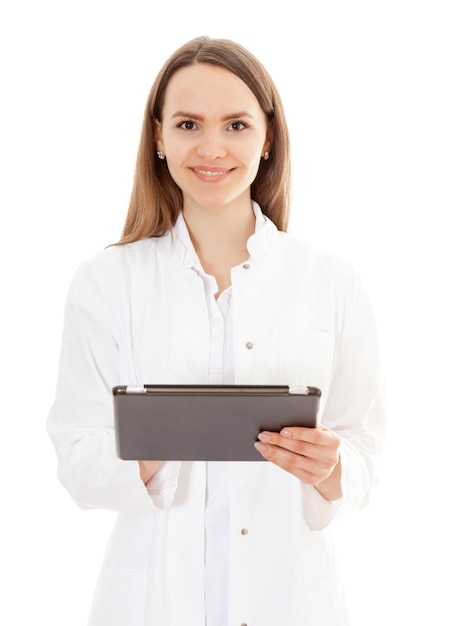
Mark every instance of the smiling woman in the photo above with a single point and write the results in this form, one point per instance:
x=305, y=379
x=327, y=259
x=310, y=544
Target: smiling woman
x=207, y=287
x=152, y=214
x=213, y=150
x=213, y=153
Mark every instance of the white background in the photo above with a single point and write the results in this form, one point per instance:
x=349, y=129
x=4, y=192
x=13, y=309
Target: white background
x=370, y=91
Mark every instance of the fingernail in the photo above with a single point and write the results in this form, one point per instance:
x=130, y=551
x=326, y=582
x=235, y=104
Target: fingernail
x=285, y=432
x=261, y=447
x=264, y=437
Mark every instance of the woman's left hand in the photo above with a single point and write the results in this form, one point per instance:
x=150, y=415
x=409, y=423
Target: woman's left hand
x=310, y=454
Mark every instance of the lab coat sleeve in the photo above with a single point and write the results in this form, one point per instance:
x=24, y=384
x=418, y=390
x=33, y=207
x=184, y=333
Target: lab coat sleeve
x=81, y=420
x=354, y=408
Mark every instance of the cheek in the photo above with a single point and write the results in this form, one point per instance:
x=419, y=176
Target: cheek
x=254, y=161
x=173, y=149
x=176, y=173
x=174, y=143
x=254, y=151
x=176, y=156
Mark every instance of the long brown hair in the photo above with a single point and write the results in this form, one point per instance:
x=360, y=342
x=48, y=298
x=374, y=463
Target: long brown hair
x=156, y=200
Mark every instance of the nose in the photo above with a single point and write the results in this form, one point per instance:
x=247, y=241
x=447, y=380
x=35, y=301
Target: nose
x=211, y=146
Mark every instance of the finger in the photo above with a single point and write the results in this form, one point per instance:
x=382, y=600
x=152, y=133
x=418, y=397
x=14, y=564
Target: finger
x=286, y=457
x=308, y=470
x=296, y=446
x=325, y=450
x=317, y=436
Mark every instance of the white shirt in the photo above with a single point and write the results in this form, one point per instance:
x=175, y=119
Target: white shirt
x=300, y=317
x=220, y=371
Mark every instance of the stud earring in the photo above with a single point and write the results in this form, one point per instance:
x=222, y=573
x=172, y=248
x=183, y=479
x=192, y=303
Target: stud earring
x=160, y=154
x=266, y=155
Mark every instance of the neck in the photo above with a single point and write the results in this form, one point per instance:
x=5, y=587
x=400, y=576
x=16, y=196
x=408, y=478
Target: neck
x=219, y=232
x=220, y=239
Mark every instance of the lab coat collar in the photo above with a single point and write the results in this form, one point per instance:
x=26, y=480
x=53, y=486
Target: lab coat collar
x=260, y=244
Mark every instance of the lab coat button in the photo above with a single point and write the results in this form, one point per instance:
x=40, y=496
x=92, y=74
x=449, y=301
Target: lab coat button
x=244, y=531
x=246, y=266
x=249, y=345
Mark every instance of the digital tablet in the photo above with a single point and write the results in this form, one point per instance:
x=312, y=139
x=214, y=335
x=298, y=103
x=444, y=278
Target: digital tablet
x=206, y=422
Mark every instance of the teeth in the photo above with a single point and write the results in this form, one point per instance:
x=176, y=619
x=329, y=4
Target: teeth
x=205, y=173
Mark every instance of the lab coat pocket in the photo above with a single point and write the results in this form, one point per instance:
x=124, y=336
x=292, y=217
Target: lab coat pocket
x=321, y=559
x=119, y=599
x=322, y=581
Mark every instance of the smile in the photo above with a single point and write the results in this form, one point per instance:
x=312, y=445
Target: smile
x=210, y=172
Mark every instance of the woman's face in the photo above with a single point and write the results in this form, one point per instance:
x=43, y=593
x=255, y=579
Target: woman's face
x=213, y=134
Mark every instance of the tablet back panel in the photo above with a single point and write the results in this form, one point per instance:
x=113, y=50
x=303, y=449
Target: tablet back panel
x=205, y=423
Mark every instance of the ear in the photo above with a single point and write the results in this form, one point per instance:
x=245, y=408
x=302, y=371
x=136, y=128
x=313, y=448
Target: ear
x=269, y=139
x=158, y=135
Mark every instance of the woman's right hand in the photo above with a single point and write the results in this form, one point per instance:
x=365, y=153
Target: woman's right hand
x=148, y=469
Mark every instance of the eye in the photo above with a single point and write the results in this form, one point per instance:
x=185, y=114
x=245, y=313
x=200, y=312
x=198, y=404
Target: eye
x=237, y=126
x=187, y=125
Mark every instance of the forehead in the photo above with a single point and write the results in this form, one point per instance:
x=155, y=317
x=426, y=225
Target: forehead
x=202, y=87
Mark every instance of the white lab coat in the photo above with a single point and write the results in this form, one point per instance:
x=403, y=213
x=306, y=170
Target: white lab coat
x=137, y=314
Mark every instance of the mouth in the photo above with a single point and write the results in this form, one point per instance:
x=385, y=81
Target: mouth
x=214, y=173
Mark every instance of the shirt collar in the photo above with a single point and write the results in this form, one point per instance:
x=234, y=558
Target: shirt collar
x=181, y=233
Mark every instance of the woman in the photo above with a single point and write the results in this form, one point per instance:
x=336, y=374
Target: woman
x=205, y=286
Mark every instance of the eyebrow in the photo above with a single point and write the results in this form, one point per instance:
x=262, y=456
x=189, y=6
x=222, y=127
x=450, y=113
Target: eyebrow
x=199, y=118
